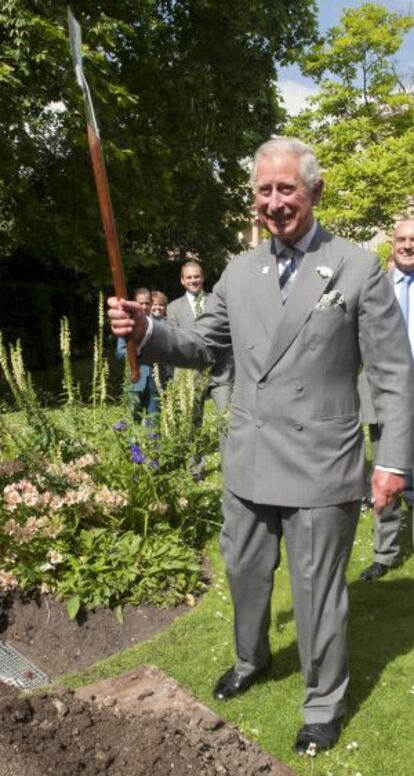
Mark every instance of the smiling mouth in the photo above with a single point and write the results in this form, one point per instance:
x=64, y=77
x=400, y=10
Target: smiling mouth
x=281, y=221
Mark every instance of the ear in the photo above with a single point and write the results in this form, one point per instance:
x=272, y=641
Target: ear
x=317, y=192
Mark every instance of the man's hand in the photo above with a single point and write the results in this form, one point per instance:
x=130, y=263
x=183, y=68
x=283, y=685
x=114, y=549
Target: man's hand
x=385, y=487
x=127, y=319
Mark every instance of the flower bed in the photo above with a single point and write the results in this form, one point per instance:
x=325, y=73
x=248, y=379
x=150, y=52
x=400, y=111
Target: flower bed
x=99, y=510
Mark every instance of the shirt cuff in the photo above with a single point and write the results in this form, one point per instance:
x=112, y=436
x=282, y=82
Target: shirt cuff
x=404, y=472
x=147, y=335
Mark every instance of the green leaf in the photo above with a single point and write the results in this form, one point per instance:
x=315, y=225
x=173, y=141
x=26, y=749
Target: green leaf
x=119, y=614
x=74, y=606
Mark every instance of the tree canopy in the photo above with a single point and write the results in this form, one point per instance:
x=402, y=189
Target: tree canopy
x=361, y=122
x=183, y=91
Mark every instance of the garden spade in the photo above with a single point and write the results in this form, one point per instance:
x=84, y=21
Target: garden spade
x=101, y=182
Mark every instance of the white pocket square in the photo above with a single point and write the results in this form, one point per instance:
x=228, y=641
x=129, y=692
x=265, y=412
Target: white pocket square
x=333, y=298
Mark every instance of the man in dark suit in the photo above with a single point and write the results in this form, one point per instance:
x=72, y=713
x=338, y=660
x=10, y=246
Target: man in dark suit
x=299, y=310
x=183, y=311
x=387, y=548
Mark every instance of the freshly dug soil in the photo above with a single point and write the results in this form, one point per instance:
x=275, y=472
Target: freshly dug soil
x=64, y=735
x=94, y=735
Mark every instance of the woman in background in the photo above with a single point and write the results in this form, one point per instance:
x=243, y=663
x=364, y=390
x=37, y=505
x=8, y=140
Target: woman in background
x=143, y=395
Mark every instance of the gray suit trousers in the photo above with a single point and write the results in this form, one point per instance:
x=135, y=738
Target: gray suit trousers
x=318, y=544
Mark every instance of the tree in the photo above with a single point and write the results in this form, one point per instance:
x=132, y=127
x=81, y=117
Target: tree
x=183, y=89
x=361, y=122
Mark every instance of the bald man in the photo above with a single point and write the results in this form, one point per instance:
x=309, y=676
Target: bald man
x=387, y=525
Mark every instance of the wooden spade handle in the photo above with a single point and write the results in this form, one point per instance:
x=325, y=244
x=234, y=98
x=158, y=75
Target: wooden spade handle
x=111, y=237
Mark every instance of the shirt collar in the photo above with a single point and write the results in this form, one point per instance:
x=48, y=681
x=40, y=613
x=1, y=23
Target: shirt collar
x=398, y=275
x=302, y=245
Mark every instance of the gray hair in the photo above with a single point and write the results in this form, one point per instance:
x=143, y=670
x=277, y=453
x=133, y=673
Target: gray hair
x=282, y=146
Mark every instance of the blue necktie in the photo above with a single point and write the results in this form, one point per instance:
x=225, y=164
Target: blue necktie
x=405, y=297
x=288, y=271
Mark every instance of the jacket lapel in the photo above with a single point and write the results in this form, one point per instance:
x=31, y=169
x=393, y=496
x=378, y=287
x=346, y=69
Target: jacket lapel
x=303, y=296
x=187, y=315
x=266, y=307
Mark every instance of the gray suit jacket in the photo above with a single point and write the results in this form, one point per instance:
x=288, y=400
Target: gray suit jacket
x=295, y=437
x=368, y=413
x=180, y=314
x=367, y=407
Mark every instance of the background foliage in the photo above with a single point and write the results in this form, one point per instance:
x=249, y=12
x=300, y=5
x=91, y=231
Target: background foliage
x=361, y=122
x=183, y=91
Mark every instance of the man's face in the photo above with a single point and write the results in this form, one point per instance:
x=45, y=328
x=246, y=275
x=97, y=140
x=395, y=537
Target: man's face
x=283, y=202
x=403, y=246
x=192, y=279
x=144, y=301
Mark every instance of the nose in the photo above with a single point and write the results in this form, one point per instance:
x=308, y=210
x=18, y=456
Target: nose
x=275, y=200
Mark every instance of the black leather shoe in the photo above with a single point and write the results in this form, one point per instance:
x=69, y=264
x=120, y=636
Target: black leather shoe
x=317, y=737
x=375, y=571
x=233, y=683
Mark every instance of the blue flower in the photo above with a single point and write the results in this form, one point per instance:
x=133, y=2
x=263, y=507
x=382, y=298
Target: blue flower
x=155, y=464
x=119, y=426
x=137, y=456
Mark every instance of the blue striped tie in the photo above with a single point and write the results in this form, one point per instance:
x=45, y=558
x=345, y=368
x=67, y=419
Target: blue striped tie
x=288, y=271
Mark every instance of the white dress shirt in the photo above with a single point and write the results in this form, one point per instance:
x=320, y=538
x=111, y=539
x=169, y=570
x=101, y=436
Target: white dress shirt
x=191, y=299
x=397, y=279
x=300, y=248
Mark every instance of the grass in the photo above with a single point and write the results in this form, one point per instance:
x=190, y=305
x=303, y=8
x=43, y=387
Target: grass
x=198, y=647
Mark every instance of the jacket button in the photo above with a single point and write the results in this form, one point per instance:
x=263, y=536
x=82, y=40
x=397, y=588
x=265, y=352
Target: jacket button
x=299, y=427
x=312, y=346
x=259, y=423
x=299, y=388
x=261, y=384
x=250, y=347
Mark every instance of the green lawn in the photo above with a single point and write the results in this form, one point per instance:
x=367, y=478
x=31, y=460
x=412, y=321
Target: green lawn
x=378, y=737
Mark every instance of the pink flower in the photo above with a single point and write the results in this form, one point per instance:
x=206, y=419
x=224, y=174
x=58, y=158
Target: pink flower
x=8, y=581
x=10, y=527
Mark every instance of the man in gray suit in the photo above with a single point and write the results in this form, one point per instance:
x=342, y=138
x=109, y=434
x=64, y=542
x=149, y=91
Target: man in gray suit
x=387, y=525
x=182, y=312
x=300, y=310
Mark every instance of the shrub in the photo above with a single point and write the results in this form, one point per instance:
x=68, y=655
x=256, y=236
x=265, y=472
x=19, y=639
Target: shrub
x=97, y=509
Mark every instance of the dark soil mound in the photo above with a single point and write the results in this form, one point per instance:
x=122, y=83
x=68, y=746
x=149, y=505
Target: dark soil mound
x=60, y=734
x=66, y=735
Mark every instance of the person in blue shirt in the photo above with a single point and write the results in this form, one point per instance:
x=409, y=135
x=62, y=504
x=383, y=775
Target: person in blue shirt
x=143, y=395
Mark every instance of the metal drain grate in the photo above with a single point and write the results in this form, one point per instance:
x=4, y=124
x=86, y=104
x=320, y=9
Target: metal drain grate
x=16, y=669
